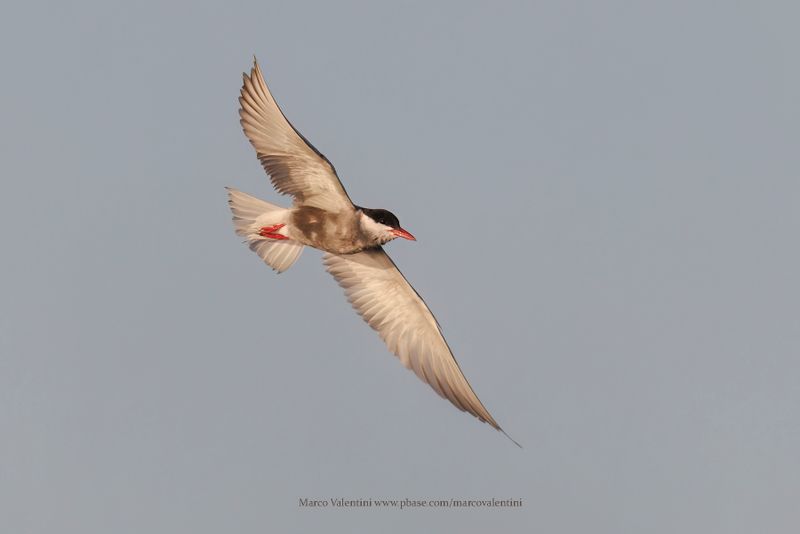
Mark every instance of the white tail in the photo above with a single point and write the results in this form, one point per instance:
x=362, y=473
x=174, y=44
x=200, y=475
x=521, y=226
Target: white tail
x=250, y=214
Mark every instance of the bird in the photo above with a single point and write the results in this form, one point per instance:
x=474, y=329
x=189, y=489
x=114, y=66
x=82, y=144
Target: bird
x=323, y=217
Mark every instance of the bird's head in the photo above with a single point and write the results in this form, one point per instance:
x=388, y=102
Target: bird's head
x=382, y=225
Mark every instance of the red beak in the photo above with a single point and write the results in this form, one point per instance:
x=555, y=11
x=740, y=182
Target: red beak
x=399, y=232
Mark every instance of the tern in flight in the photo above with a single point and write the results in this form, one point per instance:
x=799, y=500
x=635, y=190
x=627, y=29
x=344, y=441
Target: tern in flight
x=352, y=237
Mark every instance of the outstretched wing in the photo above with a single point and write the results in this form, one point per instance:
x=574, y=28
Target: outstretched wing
x=295, y=167
x=386, y=301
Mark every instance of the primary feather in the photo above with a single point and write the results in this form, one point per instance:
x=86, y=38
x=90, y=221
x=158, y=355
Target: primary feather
x=294, y=166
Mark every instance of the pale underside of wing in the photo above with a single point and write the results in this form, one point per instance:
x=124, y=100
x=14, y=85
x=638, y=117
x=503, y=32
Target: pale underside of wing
x=295, y=167
x=386, y=301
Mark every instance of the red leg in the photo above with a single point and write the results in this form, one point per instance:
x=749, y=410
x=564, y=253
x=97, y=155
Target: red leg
x=271, y=232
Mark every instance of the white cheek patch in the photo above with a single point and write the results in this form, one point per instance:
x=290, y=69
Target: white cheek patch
x=378, y=230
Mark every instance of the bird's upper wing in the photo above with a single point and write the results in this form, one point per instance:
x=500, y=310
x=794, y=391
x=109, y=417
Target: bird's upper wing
x=295, y=167
x=383, y=297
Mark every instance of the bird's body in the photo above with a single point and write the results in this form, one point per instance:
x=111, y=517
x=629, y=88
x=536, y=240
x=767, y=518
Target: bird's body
x=340, y=232
x=323, y=217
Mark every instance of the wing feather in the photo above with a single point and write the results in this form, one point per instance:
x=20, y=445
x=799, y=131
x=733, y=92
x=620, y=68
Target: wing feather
x=294, y=166
x=386, y=301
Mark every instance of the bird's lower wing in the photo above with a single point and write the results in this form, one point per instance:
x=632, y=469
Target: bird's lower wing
x=386, y=301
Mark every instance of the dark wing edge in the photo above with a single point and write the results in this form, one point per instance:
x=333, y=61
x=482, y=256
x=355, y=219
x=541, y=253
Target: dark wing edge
x=348, y=274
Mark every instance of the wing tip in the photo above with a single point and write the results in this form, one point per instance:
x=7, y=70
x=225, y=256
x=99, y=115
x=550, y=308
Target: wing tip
x=515, y=442
x=256, y=70
x=491, y=422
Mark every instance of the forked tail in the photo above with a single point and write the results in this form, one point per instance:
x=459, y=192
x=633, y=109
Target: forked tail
x=250, y=215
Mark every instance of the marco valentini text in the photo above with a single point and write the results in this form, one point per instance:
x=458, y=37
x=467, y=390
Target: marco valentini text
x=305, y=502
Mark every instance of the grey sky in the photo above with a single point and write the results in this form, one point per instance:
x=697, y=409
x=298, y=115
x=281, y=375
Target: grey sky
x=606, y=201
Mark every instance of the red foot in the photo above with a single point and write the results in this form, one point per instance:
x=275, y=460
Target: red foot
x=270, y=232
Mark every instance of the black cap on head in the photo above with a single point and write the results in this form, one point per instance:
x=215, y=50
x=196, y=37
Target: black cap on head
x=382, y=216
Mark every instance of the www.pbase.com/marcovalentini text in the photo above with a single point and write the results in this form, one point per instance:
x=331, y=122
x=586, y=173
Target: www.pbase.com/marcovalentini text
x=305, y=502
